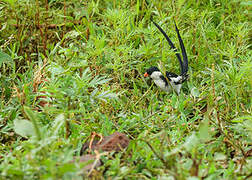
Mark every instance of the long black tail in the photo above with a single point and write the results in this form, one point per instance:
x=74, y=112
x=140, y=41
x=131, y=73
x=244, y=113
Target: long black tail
x=184, y=63
x=185, y=59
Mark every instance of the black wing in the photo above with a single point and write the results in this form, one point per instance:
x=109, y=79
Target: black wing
x=171, y=44
x=185, y=59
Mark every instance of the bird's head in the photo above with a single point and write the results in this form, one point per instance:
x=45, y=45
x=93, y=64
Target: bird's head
x=150, y=71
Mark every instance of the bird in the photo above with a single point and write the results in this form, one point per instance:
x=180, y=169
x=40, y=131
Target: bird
x=170, y=78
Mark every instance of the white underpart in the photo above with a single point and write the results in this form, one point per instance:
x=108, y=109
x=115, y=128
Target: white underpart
x=155, y=76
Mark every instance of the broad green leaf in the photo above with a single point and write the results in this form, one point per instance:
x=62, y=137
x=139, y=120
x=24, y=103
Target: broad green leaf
x=24, y=128
x=248, y=125
x=56, y=69
x=204, y=134
x=195, y=92
x=34, y=121
x=5, y=58
x=58, y=122
x=191, y=142
x=219, y=156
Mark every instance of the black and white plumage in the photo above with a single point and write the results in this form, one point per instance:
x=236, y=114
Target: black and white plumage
x=174, y=80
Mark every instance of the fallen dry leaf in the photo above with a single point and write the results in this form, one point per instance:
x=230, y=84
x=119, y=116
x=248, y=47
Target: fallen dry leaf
x=114, y=142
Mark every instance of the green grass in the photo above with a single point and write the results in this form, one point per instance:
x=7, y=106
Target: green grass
x=87, y=61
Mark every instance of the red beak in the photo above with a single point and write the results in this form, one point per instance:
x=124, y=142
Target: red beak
x=146, y=74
